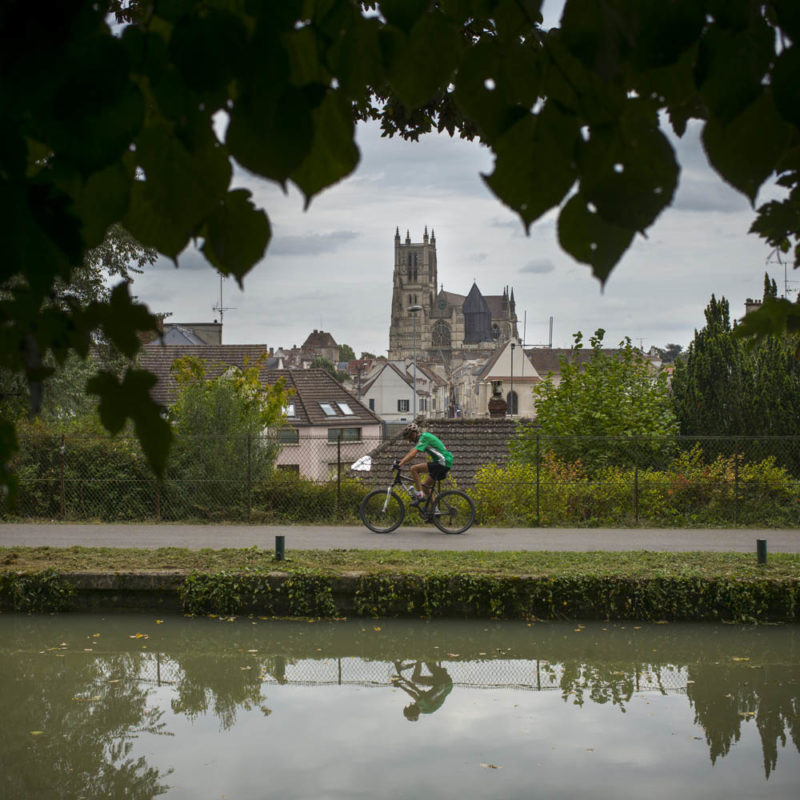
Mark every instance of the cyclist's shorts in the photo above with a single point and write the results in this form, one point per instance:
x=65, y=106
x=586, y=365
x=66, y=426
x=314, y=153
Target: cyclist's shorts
x=437, y=471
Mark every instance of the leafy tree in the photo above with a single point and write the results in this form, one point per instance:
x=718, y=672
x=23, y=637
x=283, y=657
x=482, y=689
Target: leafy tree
x=727, y=386
x=612, y=394
x=365, y=354
x=221, y=425
x=325, y=363
x=670, y=352
x=101, y=127
x=346, y=353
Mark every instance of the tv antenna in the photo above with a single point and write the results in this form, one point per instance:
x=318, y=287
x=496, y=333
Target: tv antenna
x=220, y=307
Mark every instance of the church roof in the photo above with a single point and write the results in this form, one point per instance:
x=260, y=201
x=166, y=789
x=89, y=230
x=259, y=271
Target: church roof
x=475, y=302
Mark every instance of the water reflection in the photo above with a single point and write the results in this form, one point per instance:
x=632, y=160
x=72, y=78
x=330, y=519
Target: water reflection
x=100, y=701
x=428, y=691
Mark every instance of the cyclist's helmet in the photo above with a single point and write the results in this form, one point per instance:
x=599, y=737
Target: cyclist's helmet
x=411, y=432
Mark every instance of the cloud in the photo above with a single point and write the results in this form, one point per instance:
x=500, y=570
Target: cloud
x=539, y=266
x=478, y=257
x=312, y=244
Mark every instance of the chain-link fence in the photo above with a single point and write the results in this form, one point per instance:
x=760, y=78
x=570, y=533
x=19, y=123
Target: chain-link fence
x=529, y=480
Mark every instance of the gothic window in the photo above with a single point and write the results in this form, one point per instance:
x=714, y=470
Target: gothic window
x=495, y=331
x=409, y=259
x=440, y=335
x=410, y=301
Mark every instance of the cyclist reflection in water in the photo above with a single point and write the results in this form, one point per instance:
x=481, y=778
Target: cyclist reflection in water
x=426, y=701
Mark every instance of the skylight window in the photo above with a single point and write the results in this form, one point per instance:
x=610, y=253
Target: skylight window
x=289, y=410
x=345, y=409
x=328, y=409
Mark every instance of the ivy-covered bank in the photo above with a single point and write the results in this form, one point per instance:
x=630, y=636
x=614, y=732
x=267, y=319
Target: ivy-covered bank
x=646, y=586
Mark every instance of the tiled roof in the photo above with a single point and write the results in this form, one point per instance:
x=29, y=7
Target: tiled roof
x=473, y=443
x=217, y=358
x=315, y=386
x=318, y=339
x=546, y=359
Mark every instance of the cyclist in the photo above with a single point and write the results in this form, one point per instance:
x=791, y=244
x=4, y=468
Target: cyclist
x=436, y=469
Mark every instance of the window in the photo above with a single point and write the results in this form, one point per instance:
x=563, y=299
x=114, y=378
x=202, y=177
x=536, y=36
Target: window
x=372, y=404
x=288, y=436
x=345, y=409
x=348, y=434
x=511, y=401
x=403, y=405
x=423, y=403
x=289, y=410
x=328, y=409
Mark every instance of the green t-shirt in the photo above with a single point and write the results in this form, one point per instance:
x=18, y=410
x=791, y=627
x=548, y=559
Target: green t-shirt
x=435, y=450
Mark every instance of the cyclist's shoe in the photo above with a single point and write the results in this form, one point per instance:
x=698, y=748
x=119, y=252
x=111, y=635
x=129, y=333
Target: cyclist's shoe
x=418, y=500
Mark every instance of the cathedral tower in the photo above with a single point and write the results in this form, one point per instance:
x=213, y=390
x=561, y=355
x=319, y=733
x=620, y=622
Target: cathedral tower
x=414, y=284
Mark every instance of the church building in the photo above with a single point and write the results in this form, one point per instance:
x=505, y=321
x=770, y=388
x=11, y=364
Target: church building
x=448, y=326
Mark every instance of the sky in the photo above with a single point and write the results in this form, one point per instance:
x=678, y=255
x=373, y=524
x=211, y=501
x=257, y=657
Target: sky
x=330, y=267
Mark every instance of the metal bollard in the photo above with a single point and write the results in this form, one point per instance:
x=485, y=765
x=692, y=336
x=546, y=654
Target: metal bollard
x=280, y=546
x=761, y=550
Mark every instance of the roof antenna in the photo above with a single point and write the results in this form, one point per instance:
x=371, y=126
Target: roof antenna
x=220, y=307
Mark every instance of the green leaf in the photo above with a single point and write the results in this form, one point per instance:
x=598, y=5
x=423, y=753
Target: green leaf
x=535, y=163
x=236, y=235
x=776, y=317
x=661, y=32
x=629, y=170
x=423, y=61
x=356, y=58
x=100, y=201
x=334, y=154
x=746, y=150
x=130, y=399
x=403, y=13
x=94, y=110
x=788, y=12
x=590, y=239
x=731, y=67
x=271, y=135
x=207, y=48
x=786, y=84
x=593, y=32
x=121, y=319
x=484, y=95
x=180, y=190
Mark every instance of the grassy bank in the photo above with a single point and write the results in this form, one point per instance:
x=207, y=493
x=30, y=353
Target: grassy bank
x=647, y=586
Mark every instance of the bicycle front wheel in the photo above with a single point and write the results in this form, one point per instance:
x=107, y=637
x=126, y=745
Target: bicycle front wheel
x=382, y=511
x=453, y=512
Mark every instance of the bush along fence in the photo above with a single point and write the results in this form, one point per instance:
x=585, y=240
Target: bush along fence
x=308, y=593
x=532, y=481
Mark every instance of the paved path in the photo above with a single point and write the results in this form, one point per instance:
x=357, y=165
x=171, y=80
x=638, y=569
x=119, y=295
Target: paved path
x=306, y=537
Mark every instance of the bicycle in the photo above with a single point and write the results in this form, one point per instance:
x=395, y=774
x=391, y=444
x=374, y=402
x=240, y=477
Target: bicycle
x=383, y=510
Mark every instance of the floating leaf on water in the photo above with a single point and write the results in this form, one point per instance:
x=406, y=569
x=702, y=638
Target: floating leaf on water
x=377, y=628
x=490, y=766
x=740, y=658
x=252, y=651
x=159, y=622
x=36, y=733
x=95, y=635
x=747, y=713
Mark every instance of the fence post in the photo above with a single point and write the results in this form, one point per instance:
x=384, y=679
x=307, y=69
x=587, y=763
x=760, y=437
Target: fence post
x=63, y=499
x=339, y=474
x=249, y=476
x=636, y=493
x=538, y=464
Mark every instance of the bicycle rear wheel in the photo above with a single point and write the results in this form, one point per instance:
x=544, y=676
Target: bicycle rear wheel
x=382, y=511
x=453, y=512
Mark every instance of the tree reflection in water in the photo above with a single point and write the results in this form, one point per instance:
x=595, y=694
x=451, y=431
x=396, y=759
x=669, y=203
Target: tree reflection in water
x=91, y=706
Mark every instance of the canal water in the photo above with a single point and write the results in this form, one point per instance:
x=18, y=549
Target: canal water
x=137, y=706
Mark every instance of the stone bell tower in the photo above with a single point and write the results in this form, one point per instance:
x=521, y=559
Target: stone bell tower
x=414, y=284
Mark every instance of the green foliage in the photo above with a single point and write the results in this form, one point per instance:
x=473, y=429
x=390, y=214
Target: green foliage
x=301, y=593
x=220, y=424
x=610, y=394
x=692, y=491
x=727, y=386
x=346, y=353
x=325, y=363
x=36, y=592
